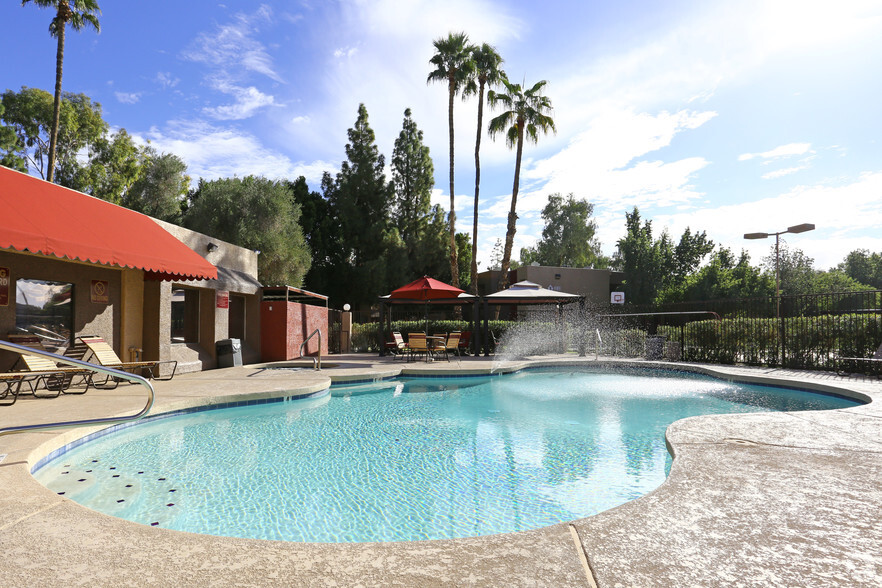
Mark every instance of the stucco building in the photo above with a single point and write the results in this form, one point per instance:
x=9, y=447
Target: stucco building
x=71, y=265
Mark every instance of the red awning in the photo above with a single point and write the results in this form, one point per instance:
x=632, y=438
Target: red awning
x=41, y=217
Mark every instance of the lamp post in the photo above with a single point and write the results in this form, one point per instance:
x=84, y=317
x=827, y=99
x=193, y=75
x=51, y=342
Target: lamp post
x=803, y=228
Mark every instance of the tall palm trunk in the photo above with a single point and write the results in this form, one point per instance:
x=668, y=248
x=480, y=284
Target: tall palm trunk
x=454, y=262
x=56, y=112
x=512, y=214
x=474, y=274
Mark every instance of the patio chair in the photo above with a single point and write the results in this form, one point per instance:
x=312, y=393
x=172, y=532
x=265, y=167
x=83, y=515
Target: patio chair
x=416, y=345
x=97, y=349
x=396, y=346
x=451, y=344
x=465, y=341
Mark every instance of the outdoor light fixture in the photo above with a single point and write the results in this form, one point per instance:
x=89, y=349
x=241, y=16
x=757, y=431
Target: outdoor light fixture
x=804, y=227
x=212, y=247
x=346, y=307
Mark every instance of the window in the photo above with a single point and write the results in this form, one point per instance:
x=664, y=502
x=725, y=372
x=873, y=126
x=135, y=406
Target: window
x=185, y=315
x=45, y=309
x=237, y=317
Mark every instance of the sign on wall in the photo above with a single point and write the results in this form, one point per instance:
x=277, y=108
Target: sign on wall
x=4, y=286
x=100, y=292
x=617, y=297
x=223, y=299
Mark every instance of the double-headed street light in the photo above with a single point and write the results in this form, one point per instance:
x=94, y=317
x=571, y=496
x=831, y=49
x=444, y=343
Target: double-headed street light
x=804, y=227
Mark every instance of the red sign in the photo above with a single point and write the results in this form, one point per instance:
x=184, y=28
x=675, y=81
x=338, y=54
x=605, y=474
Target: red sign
x=223, y=299
x=100, y=292
x=4, y=286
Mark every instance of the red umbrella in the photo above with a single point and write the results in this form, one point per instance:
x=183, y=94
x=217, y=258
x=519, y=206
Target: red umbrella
x=426, y=288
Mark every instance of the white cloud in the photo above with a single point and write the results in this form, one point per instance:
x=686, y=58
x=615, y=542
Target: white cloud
x=846, y=215
x=233, y=48
x=212, y=152
x=128, y=97
x=248, y=101
x=300, y=120
x=166, y=79
x=602, y=163
x=782, y=151
x=780, y=173
x=345, y=52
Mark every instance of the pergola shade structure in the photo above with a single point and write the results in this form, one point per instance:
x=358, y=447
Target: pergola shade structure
x=525, y=294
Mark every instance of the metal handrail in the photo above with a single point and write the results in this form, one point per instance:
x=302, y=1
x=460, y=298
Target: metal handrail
x=91, y=367
x=315, y=365
x=597, y=345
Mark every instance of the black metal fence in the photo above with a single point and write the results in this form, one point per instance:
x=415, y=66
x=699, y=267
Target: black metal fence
x=838, y=331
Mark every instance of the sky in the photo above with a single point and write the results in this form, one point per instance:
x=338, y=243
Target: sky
x=725, y=117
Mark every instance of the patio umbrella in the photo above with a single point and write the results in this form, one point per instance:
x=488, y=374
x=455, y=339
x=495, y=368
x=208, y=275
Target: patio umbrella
x=426, y=289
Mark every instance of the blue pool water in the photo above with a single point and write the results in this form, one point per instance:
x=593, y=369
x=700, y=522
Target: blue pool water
x=406, y=460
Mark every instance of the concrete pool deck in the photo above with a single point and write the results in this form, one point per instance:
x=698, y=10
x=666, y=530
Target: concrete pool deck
x=761, y=499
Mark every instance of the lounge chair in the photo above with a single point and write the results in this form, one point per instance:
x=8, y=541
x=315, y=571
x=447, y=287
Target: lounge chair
x=90, y=347
x=42, y=371
x=841, y=369
x=416, y=345
x=11, y=384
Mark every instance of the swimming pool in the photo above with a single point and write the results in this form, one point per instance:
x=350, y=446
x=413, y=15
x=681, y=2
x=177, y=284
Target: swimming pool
x=406, y=460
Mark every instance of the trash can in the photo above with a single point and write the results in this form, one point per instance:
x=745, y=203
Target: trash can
x=229, y=353
x=655, y=346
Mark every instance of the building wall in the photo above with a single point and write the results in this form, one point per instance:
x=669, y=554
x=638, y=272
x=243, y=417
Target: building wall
x=228, y=255
x=89, y=317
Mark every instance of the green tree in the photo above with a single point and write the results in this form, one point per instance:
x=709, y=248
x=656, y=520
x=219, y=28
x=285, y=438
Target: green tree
x=835, y=280
x=255, y=213
x=453, y=65
x=464, y=257
x=525, y=116
x=10, y=148
x=114, y=165
x=321, y=229
x=864, y=267
x=161, y=187
x=487, y=74
x=361, y=198
x=568, y=237
x=722, y=277
x=79, y=14
x=413, y=179
x=29, y=114
x=654, y=266
x=796, y=270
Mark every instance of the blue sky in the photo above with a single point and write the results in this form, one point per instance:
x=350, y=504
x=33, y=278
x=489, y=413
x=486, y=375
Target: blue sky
x=725, y=117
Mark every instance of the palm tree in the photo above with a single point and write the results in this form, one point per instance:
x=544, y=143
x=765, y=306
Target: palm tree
x=453, y=64
x=78, y=13
x=525, y=115
x=487, y=74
